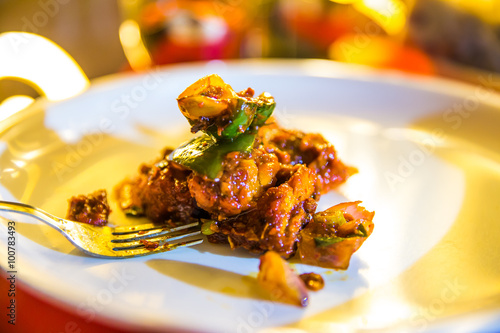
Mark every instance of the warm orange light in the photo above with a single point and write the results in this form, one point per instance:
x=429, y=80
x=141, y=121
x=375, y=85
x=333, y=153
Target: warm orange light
x=344, y=2
x=488, y=10
x=133, y=46
x=380, y=52
x=391, y=15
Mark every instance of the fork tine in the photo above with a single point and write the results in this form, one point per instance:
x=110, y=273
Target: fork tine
x=165, y=248
x=159, y=241
x=127, y=236
x=126, y=230
x=97, y=241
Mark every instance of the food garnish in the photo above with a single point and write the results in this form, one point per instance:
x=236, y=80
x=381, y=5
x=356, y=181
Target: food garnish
x=229, y=121
x=212, y=106
x=251, y=183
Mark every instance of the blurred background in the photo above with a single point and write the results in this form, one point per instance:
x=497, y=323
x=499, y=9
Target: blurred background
x=447, y=38
x=451, y=38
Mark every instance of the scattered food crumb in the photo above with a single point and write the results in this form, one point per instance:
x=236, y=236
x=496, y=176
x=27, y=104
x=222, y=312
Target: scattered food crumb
x=313, y=281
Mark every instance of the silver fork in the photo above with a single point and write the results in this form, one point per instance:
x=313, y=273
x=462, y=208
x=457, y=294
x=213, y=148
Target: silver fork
x=108, y=242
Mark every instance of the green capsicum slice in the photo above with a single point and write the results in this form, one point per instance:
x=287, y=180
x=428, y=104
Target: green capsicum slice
x=265, y=107
x=205, y=155
x=229, y=120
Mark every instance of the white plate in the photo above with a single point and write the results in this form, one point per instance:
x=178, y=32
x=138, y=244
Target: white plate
x=428, y=157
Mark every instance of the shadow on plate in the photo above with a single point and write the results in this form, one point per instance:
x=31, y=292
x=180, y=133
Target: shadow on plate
x=210, y=278
x=224, y=250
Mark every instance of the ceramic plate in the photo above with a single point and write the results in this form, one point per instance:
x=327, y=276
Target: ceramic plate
x=427, y=151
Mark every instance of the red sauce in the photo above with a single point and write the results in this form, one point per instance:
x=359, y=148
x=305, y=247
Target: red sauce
x=313, y=281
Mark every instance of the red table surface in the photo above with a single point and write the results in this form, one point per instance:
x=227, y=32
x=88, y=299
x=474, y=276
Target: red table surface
x=38, y=315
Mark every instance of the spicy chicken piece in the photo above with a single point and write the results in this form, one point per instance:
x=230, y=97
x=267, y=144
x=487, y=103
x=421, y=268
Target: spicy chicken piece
x=333, y=235
x=296, y=147
x=244, y=178
x=92, y=208
x=279, y=215
x=160, y=192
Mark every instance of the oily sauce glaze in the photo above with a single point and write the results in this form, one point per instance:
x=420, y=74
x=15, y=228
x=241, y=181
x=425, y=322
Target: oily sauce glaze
x=92, y=208
x=252, y=183
x=261, y=201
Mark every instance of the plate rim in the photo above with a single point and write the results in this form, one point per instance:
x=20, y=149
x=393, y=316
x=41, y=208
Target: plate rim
x=334, y=69
x=303, y=66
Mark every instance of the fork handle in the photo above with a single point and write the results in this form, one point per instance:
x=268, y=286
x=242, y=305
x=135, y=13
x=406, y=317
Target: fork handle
x=17, y=207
